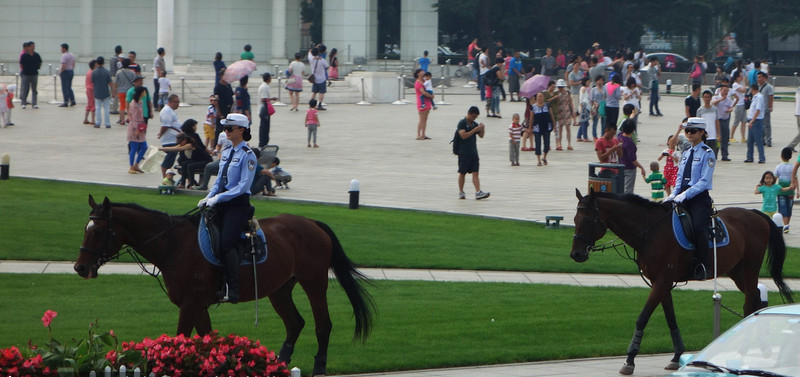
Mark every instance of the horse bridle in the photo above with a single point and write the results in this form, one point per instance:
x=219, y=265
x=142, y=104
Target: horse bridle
x=595, y=220
x=101, y=256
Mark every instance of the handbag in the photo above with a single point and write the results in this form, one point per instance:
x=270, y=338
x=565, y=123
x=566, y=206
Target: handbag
x=270, y=108
x=311, y=76
x=601, y=109
x=291, y=80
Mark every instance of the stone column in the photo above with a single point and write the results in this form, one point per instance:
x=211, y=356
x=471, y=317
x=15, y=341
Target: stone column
x=419, y=25
x=353, y=24
x=278, y=32
x=86, y=29
x=293, y=35
x=165, y=26
x=181, y=44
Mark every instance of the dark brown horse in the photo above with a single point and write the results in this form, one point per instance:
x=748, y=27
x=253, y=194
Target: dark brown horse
x=300, y=251
x=645, y=226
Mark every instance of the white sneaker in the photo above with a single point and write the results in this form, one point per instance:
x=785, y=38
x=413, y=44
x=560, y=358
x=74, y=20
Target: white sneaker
x=481, y=195
x=461, y=195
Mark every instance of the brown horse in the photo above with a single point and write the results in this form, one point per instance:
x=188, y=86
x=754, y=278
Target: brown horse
x=645, y=226
x=300, y=251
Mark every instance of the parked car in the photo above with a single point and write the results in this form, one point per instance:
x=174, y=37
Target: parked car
x=444, y=50
x=766, y=343
x=668, y=60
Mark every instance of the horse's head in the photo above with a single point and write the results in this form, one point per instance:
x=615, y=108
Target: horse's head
x=100, y=243
x=589, y=227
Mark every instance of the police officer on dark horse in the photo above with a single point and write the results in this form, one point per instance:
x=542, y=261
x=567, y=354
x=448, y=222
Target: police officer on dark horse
x=230, y=197
x=691, y=189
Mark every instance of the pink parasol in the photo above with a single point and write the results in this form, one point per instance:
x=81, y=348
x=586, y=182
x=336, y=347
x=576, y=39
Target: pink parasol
x=534, y=86
x=238, y=69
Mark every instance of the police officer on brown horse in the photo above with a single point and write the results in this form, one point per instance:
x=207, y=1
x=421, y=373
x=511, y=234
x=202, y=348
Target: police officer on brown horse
x=230, y=196
x=694, y=181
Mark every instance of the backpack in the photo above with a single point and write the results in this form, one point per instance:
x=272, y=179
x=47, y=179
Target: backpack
x=490, y=78
x=456, y=142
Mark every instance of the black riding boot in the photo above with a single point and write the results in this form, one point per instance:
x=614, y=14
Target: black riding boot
x=230, y=292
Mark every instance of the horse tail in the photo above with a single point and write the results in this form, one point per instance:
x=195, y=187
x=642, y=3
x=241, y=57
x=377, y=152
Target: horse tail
x=776, y=257
x=351, y=280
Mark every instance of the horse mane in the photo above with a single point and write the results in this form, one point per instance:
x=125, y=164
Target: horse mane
x=194, y=218
x=632, y=199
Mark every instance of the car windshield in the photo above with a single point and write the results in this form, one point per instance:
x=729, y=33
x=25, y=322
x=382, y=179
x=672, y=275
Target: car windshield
x=766, y=342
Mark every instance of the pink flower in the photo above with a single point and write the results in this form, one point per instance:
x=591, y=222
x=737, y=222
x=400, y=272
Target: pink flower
x=48, y=317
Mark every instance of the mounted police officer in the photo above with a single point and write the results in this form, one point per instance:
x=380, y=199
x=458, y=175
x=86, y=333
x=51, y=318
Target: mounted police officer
x=694, y=181
x=230, y=196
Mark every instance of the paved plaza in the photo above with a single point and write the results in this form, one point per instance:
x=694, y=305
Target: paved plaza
x=376, y=145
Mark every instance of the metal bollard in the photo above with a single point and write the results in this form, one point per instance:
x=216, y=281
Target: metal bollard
x=55, y=100
x=122, y=370
x=403, y=97
x=359, y=68
x=16, y=82
x=448, y=67
x=49, y=69
x=669, y=86
x=354, y=193
x=717, y=304
x=443, y=86
x=278, y=102
x=363, y=95
x=2, y=69
x=385, y=63
x=295, y=372
x=399, y=90
x=183, y=93
x=685, y=88
x=275, y=72
x=402, y=70
x=5, y=165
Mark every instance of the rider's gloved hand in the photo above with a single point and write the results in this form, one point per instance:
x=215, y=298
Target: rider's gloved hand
x=212, y=201
x=680, y=198
x=202, y=203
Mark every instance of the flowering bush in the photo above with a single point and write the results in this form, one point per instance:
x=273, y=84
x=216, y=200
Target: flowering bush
x=209, y=355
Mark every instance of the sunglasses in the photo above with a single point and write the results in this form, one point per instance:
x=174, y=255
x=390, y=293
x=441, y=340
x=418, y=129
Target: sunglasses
x=229, y=128
x=692, y=130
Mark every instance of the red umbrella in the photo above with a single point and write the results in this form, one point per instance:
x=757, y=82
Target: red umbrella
x=534, y=85
x=238, y=69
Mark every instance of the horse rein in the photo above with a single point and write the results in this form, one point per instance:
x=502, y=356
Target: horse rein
x=613, y=243
x=128, y=249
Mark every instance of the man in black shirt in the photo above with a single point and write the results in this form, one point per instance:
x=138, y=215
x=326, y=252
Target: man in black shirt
x=224, y=92
x=692, y=101
x=29, y=64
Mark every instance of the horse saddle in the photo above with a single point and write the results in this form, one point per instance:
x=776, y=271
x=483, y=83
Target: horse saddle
x=682, y=227
x=254, y=242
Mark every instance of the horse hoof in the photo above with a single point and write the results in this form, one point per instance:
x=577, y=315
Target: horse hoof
x=672, y=366
x=627, y=369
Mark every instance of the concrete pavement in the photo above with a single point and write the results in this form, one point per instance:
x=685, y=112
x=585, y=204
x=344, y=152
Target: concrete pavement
x=376, y=145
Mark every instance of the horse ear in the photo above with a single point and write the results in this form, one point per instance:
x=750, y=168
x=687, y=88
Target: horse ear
x=578, y=194
x=92, y=203
x=106, y=204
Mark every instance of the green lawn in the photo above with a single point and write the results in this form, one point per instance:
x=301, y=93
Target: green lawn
x=419, y=324
x=45, y=220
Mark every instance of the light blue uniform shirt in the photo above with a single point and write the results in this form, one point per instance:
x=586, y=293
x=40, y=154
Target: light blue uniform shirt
x=703, y=163
x=241, y=172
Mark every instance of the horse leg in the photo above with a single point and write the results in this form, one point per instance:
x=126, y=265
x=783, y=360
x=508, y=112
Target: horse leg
x=674, y=332
x=317, y=296
x=187, y=319
x=203, y=322
x=656, y=293
x=292, y=320
x=747, y=282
